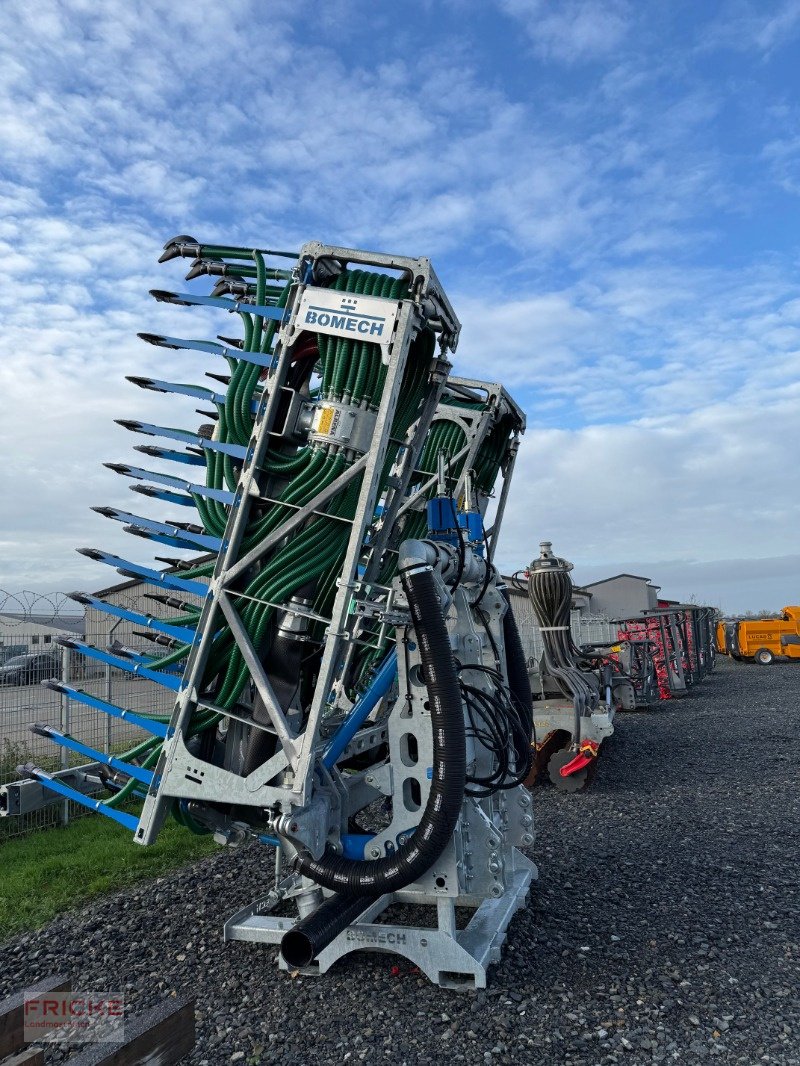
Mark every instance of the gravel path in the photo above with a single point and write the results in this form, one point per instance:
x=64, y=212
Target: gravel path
x=664, y=925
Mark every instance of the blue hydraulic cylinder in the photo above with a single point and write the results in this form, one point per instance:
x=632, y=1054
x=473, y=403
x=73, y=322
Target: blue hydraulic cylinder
x=472, y=524
x=380, y=685
x=442, y=519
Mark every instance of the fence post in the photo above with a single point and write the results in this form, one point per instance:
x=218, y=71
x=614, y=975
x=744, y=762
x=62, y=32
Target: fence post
x=66, y=715
x=108, y=719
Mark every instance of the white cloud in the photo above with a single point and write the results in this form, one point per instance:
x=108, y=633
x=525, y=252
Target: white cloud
x=573, y=30
x=754, y=25
x=690, y=489
x=575, y=231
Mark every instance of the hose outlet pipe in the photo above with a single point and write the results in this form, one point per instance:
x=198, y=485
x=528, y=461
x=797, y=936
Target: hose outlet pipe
x=311, y=935
x=182, y=245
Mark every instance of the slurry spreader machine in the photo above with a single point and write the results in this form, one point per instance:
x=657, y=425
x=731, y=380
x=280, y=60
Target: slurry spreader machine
x=350, y=686
x=578, y=691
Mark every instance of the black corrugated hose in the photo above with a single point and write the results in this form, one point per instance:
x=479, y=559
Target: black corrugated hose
x=550, y=591
x=518, y=681
x=351, y=878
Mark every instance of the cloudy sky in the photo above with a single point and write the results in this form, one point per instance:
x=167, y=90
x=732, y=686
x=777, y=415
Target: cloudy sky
x=608, y=189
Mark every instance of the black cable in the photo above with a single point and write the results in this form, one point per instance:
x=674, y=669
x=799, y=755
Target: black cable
x=462, y=550
x=490, y=569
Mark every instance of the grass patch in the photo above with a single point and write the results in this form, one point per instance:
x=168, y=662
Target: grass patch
x=53, y=870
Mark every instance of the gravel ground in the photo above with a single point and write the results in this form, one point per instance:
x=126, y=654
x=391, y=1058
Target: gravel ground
x=664, y=925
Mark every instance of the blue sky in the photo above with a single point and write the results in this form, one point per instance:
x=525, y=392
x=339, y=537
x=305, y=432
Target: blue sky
x=609, y=192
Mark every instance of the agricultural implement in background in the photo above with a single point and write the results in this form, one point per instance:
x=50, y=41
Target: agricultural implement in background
x=680, y=641
x=578, y=691
x=662, y=629
x=636, y=657
x=350, y=689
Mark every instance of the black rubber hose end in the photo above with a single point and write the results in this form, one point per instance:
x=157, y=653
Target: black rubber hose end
x=311, y=935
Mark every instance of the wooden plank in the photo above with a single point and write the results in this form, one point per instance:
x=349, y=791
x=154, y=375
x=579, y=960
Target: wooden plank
x=32, y=1056
x=12, y=1016
x=160, y=1037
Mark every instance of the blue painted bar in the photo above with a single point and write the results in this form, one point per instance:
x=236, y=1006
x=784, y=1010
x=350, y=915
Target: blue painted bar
x=158, y=538
x=129, y=821
x=140, y=474
x=170, y=455
x=185, y=436
x=203, y=540
x=122, y=663
x=157, y=729
x=272, y=841
x=188, y=299
x=64, y=740
x=147, y=620
x=198, y=392
x=378, y=688
x=153, y=493
x=185, y=344
x=156, y=577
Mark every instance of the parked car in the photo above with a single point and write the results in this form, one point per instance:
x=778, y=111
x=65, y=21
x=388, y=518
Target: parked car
x=11, y=651
x=28, y=669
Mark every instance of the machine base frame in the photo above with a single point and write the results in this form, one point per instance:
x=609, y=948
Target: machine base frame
x=449, y=957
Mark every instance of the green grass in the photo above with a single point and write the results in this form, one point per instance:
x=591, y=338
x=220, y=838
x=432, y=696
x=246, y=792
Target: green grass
x=53, y=870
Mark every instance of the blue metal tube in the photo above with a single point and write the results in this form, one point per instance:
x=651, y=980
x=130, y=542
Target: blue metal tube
x=199, y=392
x=148, y=621
x=155, y=577
x=128, y=665
x=141, y=474
x=381, y=683
x=153, y=493
x=354, y=845
x=277, y=314
x=171, y=455
x=66, y=741
x=158, y=729
x=185, y=436
x=129, y=821
x=185, y=344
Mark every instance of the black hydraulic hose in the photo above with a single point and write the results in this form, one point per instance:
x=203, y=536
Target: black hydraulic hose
x=518, y=681
x=550, y=592
x=306, y=939
x=416, y=856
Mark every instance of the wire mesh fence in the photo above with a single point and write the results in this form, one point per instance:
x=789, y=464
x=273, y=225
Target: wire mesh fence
x=30, y=654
